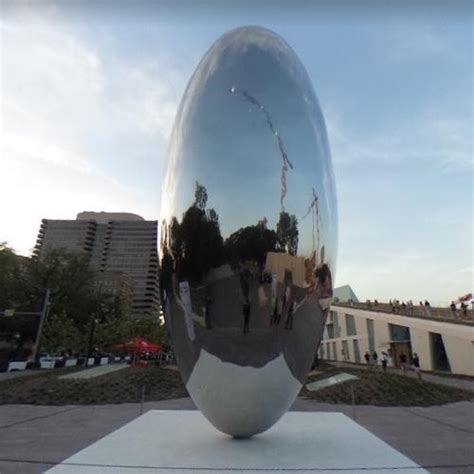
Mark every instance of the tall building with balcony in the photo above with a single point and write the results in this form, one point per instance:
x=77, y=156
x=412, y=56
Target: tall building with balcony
x=122, y=248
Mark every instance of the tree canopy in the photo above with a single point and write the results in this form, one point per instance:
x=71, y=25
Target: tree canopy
x=76, y=302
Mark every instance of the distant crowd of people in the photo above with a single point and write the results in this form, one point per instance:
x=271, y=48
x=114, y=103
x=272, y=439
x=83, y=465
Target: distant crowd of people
x=372, y=362
x=408, y=308
x=463, y=309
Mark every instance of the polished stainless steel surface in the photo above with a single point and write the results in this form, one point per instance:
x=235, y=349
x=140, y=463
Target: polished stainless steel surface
x=248, y=236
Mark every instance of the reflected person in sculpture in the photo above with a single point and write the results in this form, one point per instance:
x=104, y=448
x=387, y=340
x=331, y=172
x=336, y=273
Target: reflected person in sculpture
x=249, y=223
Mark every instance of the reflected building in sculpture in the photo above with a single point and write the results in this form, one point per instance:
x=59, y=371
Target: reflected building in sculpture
x=249, y=231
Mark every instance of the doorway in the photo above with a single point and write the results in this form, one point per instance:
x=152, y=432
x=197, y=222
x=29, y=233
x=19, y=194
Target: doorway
x=439, y=357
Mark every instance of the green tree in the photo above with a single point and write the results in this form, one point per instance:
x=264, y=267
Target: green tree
x=196, y=244
x=287, y=232
x=70, y=280
x=200, y=196
x=250, y=243
x=60, y=333
x=16, y=288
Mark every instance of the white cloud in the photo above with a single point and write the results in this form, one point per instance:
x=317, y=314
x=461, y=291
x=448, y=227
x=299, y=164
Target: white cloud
x=443, y=141
x=61, y=95
x=36, y=189
x=414, y=42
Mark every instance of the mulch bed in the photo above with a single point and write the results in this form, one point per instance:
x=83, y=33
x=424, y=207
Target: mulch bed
x=123, y=386
x=385, y=389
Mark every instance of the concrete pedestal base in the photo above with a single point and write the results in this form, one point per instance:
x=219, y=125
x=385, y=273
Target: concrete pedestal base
x=184, y=441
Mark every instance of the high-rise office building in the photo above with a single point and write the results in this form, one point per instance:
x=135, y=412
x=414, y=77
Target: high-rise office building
x=122, y=248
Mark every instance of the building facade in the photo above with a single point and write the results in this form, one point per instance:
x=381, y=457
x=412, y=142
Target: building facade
x=441, y=345
x=122, y=249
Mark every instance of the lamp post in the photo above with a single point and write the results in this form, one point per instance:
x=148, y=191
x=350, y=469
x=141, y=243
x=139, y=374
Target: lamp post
x=44, y=315
x=91, y=340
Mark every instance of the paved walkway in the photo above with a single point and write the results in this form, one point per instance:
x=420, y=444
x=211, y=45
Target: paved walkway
x=451, y=381
x=95, y=371
x=18, y=373
x=33, y=438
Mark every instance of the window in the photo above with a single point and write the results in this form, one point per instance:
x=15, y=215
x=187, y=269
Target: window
x=350, y=325
x=371, y=335
x=399, y=333
x=355, y=345
x=345, y=351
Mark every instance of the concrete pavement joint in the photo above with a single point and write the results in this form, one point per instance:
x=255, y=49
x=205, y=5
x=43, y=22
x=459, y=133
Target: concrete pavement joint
x=38, y=417
x=243, y=469
x=434, y=420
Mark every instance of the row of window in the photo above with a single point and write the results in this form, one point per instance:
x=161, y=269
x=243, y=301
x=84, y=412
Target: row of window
x=333, y=328
x=332, y=351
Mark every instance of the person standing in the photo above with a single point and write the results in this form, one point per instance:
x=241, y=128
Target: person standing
x=207, y=313
x=246, y=311
x=403, y=363
x=415, y=362
x=453, y=308
x=384, y=360
x=375, y=358
x=427, y=308
x=289, y=318
x=422, y=309
x=367, y=359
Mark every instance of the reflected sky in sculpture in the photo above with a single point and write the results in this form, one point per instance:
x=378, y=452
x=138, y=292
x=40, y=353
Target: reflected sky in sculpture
x=224, y=142
x=249, y=231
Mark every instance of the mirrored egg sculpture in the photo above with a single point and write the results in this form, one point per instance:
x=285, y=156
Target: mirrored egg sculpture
x=248, y=231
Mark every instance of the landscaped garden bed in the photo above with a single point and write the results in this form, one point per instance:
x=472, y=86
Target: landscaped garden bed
x=376, y=387
x=123, y=386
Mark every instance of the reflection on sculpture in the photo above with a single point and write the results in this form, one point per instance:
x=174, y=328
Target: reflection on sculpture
x=248, y=232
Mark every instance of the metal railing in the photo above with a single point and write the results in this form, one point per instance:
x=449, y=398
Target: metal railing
x=433, y=313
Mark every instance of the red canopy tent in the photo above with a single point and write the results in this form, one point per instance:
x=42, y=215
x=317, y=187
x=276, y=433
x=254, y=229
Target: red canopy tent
x=139, y=344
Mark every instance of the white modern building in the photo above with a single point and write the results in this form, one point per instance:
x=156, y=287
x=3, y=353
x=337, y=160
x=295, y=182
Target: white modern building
x=441, y=344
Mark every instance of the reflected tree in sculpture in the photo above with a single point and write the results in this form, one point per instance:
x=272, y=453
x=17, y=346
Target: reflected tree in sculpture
x=249, y=231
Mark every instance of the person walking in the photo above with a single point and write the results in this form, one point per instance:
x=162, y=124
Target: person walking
x=415, y=363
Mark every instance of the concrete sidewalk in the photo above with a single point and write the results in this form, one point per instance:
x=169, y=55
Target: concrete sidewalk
x=451, y=380
x=93, y=372
x=33, y=438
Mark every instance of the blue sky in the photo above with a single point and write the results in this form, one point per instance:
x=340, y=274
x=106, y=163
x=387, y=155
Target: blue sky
x=89, y=95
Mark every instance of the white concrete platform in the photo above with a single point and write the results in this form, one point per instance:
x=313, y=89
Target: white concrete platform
x=183, y=442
